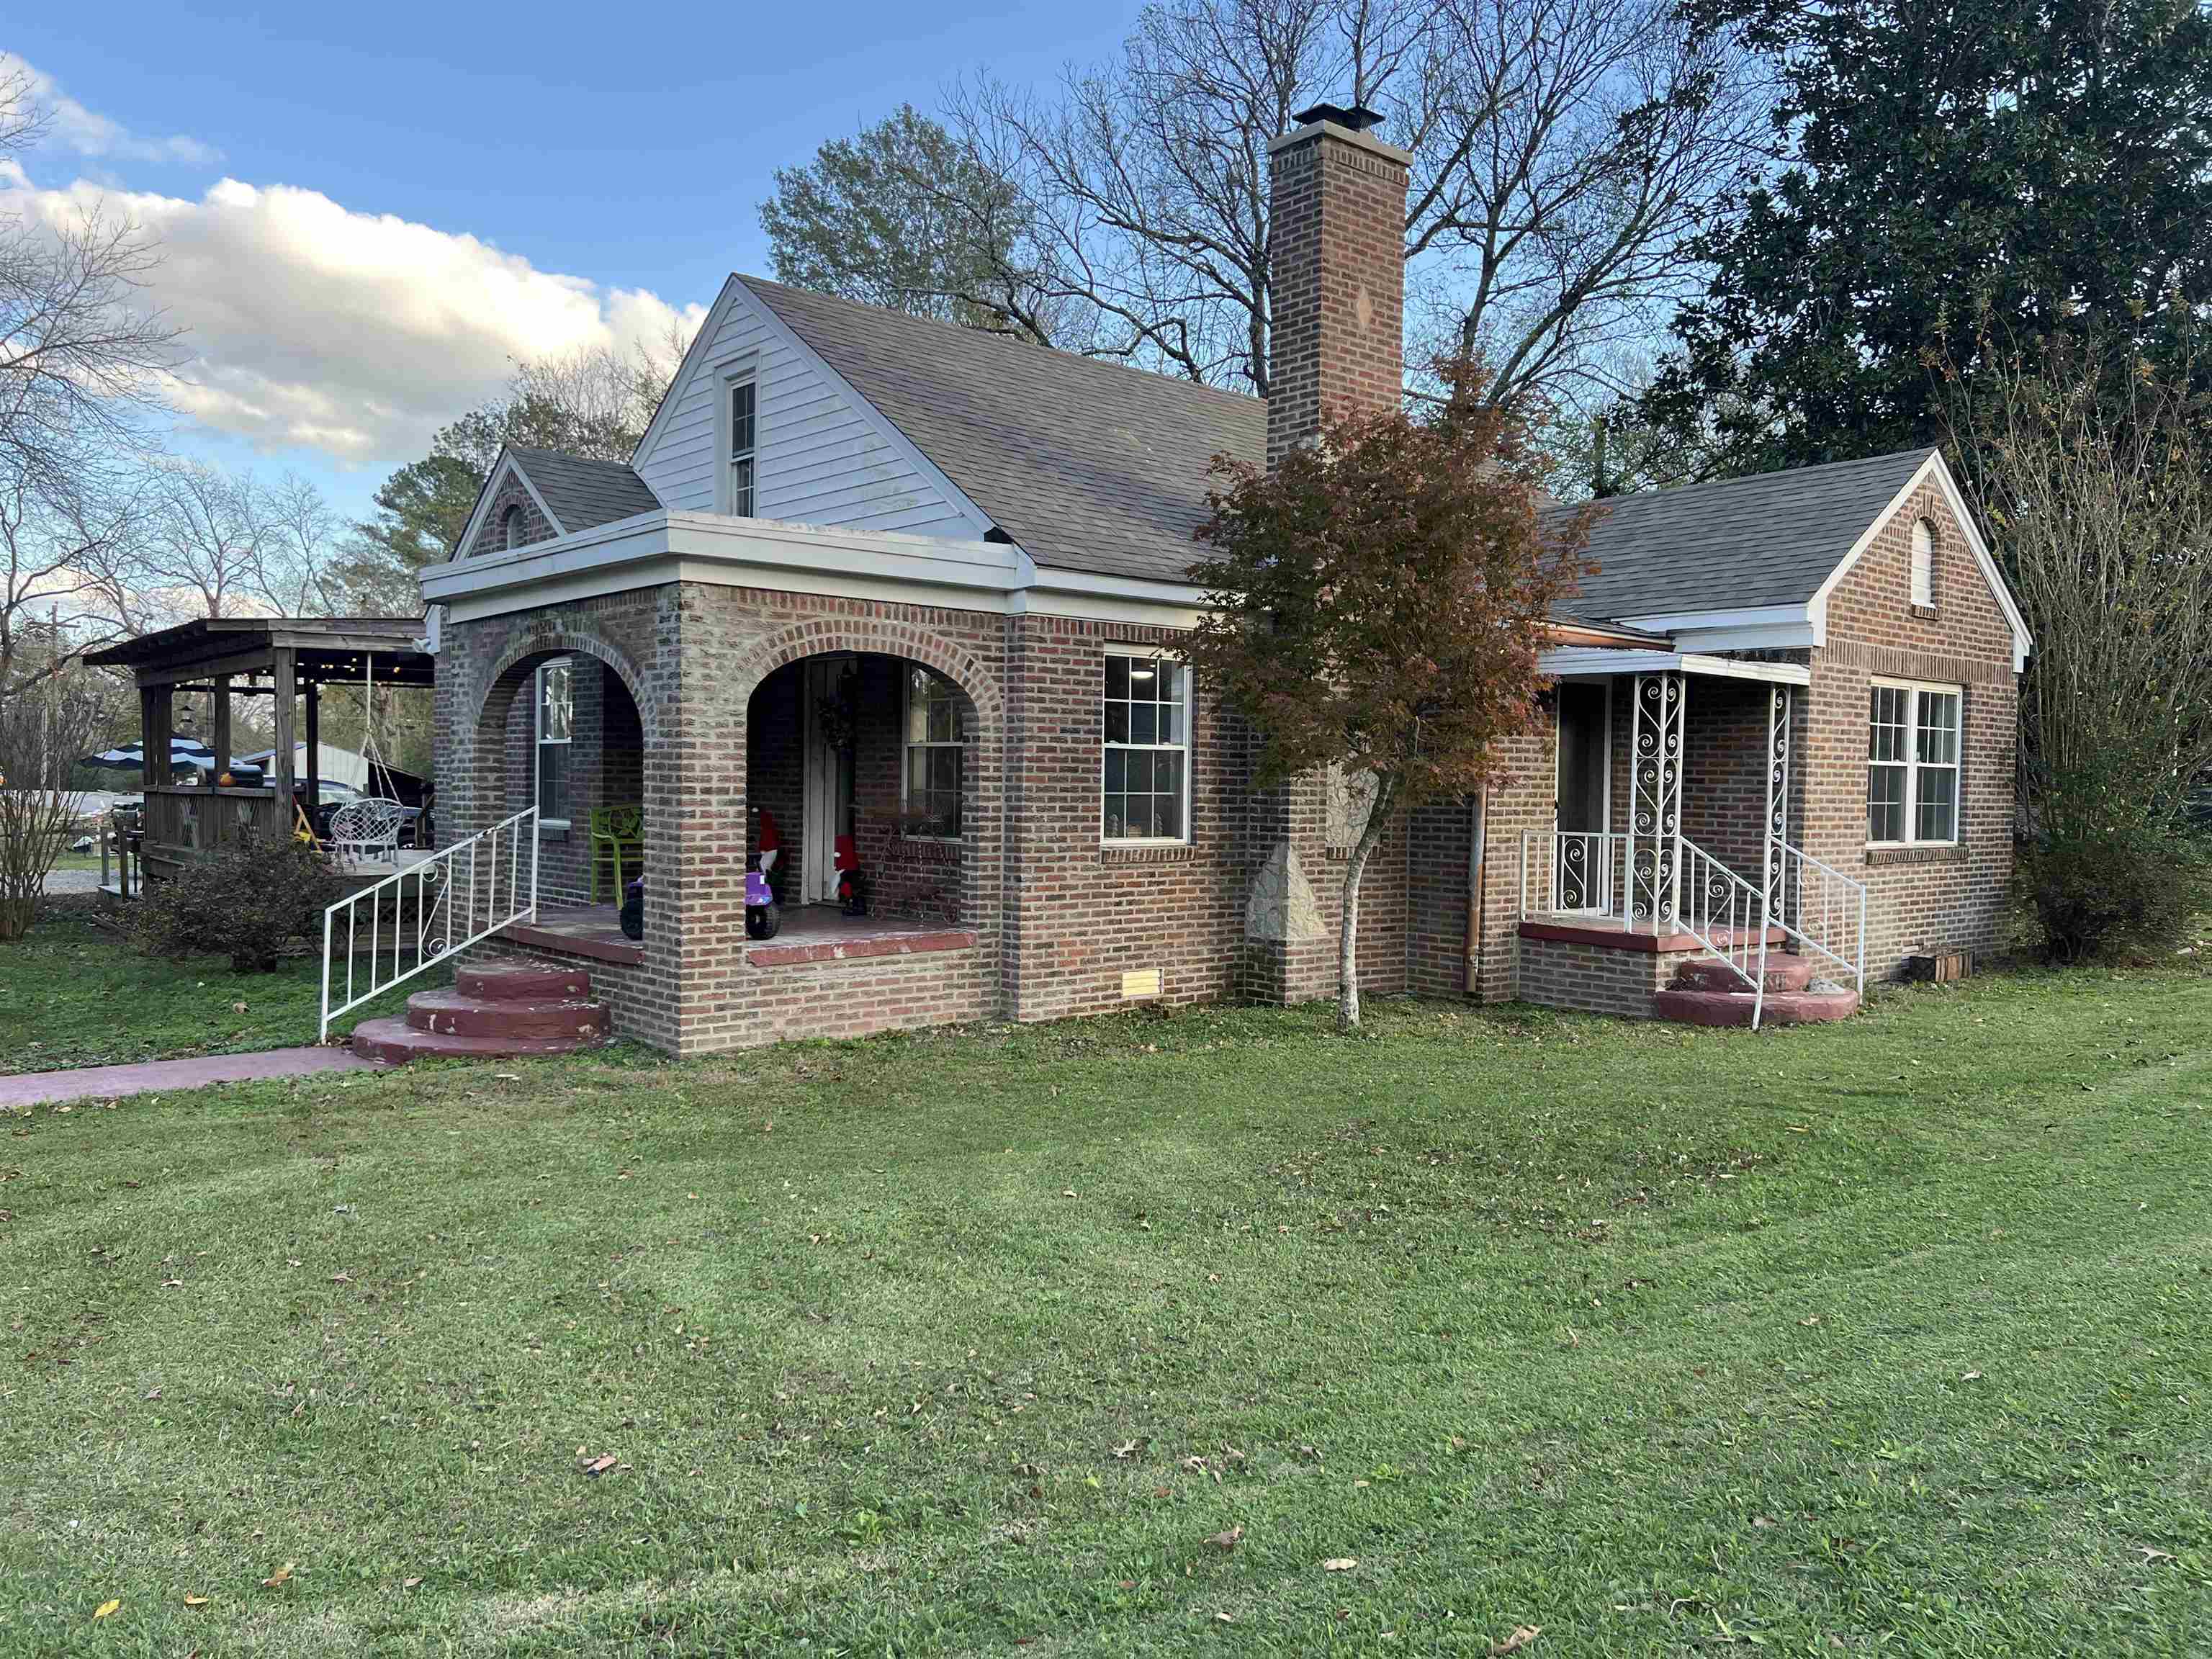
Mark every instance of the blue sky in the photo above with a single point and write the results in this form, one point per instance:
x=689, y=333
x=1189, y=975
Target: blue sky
x=417, y=191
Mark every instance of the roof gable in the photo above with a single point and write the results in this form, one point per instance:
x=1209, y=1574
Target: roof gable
x=1087, y=465
x=578, y=493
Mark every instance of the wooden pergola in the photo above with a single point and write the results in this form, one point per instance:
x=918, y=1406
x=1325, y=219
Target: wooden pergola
x=288, y=658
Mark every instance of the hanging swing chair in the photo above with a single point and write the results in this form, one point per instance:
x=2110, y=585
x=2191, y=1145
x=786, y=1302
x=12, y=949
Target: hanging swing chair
x=367, y=831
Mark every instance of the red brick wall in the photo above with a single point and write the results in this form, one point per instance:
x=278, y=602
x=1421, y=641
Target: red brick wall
x=1724, y=771
x=776, y=773
x=491, y=534
x=1595, y=978
x=1918, y=899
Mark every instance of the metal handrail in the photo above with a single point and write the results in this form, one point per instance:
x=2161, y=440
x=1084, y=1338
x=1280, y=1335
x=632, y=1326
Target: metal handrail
x=1842, y=904
x=1589, y=855
x=1716, y=902
x=451, y=911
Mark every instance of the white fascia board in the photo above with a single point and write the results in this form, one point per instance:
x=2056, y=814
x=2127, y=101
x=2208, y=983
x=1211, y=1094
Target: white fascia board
x=1573, y=661
x=504, y=465
x=661, y=546
x=1753, y=628
x=1675, y=622
x=1782, y=636
x=1934, y=467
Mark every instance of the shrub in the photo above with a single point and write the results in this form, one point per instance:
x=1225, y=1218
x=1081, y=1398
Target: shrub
x=2113, y=889
x=248, y=902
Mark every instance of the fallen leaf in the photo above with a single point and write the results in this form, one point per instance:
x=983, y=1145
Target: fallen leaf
x=1762, y=1521
x=341, y=1278
x=1225, y=1618
x=1971, y=1377
x=1226, y=1540
x=153, y=1394
x=1128, y=1449
x=1815, y=1320
x=409, y=1584
x=282, y=1575
x=237, y=1007
x=601, y=1464
x=172, y=1284
x=1339, y=1563
x=1128, y=1583
x=105, y=1608
x=1067, y=1192
x=1522, y=1637
x=2149, y=1554
x=196, y=1600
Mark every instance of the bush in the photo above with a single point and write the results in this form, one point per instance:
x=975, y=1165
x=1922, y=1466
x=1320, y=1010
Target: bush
x=2112, y=890
x=247, y=903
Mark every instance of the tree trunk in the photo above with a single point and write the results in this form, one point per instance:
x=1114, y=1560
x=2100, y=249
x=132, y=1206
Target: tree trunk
x=1347, y=962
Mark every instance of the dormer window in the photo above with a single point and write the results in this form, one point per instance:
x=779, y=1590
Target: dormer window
x=743, y=423
x=1923, y=564
x=512, y=534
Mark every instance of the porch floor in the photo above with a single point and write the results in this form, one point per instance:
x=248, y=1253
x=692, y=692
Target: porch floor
x=1584, y=927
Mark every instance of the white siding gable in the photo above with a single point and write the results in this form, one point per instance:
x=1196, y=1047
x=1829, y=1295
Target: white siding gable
x=824, y=456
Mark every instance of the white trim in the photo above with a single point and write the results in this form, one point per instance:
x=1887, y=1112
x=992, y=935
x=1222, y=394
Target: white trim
x=539, y=741
x=500, y=468
x=734, y=293
x=744, y=369
x=661, y=546
x=1187, y=745
x=1817, y=610
x=1568, y=662
x=1911, y=764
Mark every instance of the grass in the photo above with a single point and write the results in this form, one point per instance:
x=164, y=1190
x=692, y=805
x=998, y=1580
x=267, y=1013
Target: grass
x=74, y=993
x=1884, y=1338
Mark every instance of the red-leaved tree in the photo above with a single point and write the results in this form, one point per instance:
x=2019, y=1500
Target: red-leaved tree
x=1376, y=602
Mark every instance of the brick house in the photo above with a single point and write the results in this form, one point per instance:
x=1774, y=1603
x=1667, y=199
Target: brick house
x=915, y=593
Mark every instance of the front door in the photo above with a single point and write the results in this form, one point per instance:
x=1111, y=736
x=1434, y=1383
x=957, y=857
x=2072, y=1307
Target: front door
x=826, y=719
x=1584, y=785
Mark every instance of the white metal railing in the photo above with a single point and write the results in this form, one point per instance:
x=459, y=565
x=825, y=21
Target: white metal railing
x=1726, y=915
x=462, y=893
x=1572, y=872
x=1830, y=919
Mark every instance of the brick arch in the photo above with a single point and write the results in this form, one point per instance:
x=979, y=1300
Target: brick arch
x=564, y=638
x=888, y=639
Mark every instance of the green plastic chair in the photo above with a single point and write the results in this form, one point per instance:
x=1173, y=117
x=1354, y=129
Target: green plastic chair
x=618, y=834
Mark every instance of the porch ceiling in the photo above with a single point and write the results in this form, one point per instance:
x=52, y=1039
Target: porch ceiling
x=1572, y=660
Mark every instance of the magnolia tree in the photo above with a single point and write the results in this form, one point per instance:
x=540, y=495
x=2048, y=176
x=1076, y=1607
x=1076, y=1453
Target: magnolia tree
x=1377, y=602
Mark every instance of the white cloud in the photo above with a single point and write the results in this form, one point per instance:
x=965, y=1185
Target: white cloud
x=71, y=126
x=356, y=334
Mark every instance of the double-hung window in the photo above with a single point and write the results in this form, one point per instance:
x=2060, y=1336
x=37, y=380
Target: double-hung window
x=932, y=755
x=556, y=705
x=1146, y=771
x=744, y=425
x=1912, y=765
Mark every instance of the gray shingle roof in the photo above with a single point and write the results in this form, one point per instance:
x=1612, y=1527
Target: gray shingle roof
x=584, y=494
x=1089, y=466
x=1769, y=539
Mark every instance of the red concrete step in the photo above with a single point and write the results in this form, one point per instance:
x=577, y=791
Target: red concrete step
x=451, y=1014
x=1784, y=973
x=1690, y=1006
x=519, y=981
x=395, y=1043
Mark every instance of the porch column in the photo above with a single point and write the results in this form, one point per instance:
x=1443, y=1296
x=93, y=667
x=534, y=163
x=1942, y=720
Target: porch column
x=1655, y=805
x=314, y=741
x=284, y=718
x=219, y=727
x=154, y=721
x=1778, y=709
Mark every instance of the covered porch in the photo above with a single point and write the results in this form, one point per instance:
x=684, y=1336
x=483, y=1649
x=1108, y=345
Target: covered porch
x=1671, y=840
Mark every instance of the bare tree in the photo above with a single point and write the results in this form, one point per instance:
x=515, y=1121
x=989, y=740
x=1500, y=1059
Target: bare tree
x=295, y=546
x=43, y=731
x=1564, y=152
x=61, y=546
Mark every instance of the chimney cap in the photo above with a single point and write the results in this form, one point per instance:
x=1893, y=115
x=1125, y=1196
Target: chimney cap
x=1358, y=117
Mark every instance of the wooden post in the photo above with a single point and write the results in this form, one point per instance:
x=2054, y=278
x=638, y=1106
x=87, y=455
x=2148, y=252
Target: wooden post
x=313, y=692
x=154, y=731
x=219, y=738
x=285, y=718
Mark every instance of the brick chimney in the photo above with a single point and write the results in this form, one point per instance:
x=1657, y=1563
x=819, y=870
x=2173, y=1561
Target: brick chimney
x=1337, y=253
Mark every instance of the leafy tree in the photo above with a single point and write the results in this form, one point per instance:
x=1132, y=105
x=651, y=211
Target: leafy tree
x=904, y=216
x=1955, y=171
x=1375, y=604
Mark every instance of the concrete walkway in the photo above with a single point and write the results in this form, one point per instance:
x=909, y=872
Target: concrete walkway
x=104, y=1082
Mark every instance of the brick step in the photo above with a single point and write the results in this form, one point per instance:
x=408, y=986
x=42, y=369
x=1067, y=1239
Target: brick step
x=451, y=1014
x=395, y=1043
x=517, y=981
x=1689, y=1006
x=1782, y=974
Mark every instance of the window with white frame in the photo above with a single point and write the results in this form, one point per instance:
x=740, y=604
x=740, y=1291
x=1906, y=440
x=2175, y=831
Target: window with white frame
x=1912, y=765
x=743, y=430
x=1146, y=765
x=1924, y=562
x=932, y=797
x=512, y=533
x=556, y=706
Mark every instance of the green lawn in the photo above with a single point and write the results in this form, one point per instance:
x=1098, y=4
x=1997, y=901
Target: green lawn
x=1894, y=1337
x=73, y=992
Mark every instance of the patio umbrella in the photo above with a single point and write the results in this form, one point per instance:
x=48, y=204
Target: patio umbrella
x=183, y=751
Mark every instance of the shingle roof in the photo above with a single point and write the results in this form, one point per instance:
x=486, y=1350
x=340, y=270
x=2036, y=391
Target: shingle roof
x=584, y=494
x=1769, y=539
x=1088, y=465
